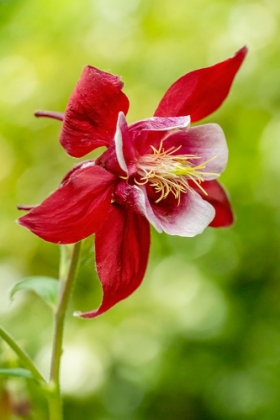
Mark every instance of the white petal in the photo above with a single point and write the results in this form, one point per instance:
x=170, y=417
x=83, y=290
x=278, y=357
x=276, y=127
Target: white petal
x=119, y=141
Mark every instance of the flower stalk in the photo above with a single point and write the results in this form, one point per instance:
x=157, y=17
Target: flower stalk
x=68, y=267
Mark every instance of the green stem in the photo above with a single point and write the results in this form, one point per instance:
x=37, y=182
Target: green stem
x=24, y=358
x=55, y=403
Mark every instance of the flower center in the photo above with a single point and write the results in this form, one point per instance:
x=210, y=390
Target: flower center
x=168, y=172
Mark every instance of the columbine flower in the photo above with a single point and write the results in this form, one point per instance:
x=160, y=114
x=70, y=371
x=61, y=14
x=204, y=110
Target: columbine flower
x=158, y=171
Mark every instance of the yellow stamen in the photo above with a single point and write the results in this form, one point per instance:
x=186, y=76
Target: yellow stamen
x=168, y=172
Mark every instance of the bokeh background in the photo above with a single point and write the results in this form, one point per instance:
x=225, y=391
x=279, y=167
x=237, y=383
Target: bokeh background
x=200, y=340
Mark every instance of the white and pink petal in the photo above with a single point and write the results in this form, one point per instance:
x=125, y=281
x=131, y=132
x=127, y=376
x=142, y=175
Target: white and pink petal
x=189, y=217
x=207, y=143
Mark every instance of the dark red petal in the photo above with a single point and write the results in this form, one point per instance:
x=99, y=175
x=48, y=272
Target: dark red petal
x=202, y=91
x=219, y=200
x=92, y=112
x=75, y=210
x=50, y=114
x=122, y=248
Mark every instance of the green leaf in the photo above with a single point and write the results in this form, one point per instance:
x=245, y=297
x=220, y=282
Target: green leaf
x=18, y=372
x=45, y=287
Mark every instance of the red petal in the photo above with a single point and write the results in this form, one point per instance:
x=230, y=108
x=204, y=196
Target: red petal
x=75, y=210
x=219, y=200
x=202, y=91
x=122, y=249
x=92, y=112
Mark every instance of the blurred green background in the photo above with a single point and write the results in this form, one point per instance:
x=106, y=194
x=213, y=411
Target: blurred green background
x=200, y=340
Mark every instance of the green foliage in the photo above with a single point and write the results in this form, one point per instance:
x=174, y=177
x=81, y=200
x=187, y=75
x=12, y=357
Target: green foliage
x=45, y=287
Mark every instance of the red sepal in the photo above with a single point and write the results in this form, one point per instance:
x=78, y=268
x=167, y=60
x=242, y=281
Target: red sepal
x=202, y=91
x=75, y=210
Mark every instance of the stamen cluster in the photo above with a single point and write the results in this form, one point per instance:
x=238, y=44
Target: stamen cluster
x=168, y=172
